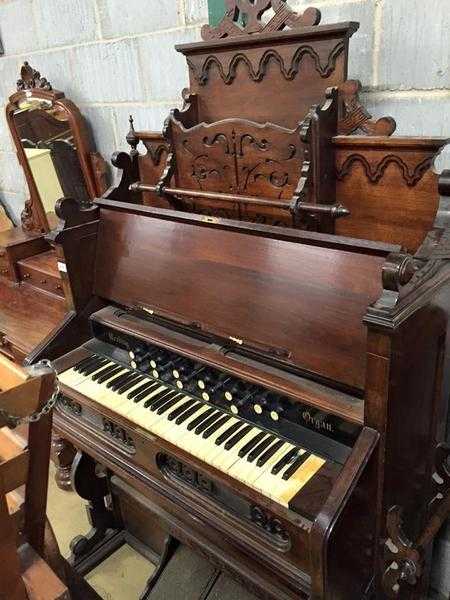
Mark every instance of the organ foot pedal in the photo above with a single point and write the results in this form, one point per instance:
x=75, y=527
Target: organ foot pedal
x=106, y=534
x=189, y=576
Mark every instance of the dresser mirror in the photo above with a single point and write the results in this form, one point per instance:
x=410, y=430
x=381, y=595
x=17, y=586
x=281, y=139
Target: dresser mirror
x=53, y=148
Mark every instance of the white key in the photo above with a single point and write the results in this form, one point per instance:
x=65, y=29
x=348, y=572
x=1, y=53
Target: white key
x=209, y=448
x=286, y=490
x=199, y=446
x=226, y=459
x=167, y=425
x=72, y=378
x=191, y=442
x=177, y=434
x=115, y=401
x=161, y=424
x=96, y=391
x=267, y=482
x=141, y=415
x=243, y=470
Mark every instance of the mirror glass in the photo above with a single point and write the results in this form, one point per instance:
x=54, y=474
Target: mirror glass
x=51, y=153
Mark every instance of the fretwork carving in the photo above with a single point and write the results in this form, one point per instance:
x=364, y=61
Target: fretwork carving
x=257, y=73
x=238, y=156
x=375, y=172
x=244, y=17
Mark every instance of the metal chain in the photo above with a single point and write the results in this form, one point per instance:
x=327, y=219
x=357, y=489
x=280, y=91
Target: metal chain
x=15, y=421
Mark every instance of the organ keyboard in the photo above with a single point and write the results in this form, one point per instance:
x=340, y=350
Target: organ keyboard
x=268, y=463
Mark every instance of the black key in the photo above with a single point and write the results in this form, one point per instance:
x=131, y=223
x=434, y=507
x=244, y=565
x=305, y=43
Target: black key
x=87, y=362
x=134, y=381
x=83, y=363
x=230, y=431
x=168, y=405
x=269, y=453
x=251, y=444
x=260, y=448
x=108, y=376
x=162, y=395
x=180, y=409
x=91, y=362
x=200, y=419
x=283, y=462
x=205, y=424
x=215, y=427
x=237, y=437
x=125, y=379
x=160, y=400
x=104, y=371
x=144, y=395
x=189, y=413
x=97, y=365
x=296, y=465
x=120, y=377
x=143, y=388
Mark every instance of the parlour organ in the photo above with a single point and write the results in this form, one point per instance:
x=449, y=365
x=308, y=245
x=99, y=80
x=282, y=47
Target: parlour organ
x=273, y=397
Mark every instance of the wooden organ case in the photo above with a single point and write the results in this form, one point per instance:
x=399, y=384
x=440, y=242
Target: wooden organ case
x=273, y=397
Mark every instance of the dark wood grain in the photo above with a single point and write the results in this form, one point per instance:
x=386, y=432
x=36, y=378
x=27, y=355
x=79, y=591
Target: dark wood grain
x=20, y=329
x=197, y=280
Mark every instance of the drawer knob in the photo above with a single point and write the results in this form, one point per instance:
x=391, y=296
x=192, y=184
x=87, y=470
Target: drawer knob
x=27, y=276
x=43, y=281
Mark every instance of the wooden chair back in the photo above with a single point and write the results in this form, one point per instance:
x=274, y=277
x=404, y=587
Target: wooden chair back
x=23, y=518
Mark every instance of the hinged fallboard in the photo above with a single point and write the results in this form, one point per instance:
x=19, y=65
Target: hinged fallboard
x=292, y=299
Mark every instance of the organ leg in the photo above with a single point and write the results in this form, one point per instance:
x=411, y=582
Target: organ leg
x=90, y=482
x=170, y=546
x=63, y=454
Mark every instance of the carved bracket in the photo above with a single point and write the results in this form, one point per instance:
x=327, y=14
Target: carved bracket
x=403, y=559
x=354, y=117
x=245, y=17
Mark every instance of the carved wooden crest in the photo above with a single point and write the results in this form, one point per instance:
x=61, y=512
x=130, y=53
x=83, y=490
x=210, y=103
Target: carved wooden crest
x=244, y=17
x=31, y=79
x=355, y=118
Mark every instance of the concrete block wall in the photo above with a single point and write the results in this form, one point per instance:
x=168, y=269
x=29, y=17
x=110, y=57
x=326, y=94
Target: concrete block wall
x=112, y=58
x=115, y=58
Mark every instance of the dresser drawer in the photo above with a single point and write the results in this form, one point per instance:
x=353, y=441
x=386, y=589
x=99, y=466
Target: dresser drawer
x=43, y=281
x=5, y=270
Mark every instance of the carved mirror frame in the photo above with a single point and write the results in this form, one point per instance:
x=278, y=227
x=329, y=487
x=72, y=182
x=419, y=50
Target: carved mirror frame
x=32, y=86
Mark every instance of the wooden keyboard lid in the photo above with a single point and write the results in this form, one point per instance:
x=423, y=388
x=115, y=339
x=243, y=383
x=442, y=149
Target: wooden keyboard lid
x=282, y=291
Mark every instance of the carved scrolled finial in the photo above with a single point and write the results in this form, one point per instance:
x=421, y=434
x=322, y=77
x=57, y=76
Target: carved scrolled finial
x=398, y=270
x=132, y=139
x=31, y=79
x=71, y=213
x=245, y=17
x=120, y=160
x=354, y=117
